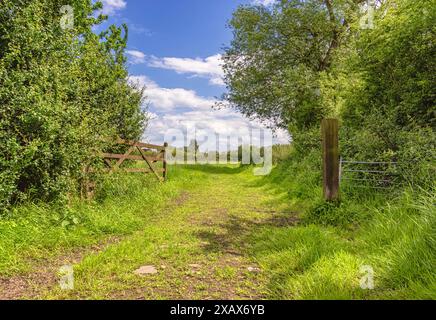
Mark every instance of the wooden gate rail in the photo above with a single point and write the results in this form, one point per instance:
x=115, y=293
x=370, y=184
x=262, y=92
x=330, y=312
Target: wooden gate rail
x=160, y=173
x=130, y=157
x=149, y=160
x=141, y=144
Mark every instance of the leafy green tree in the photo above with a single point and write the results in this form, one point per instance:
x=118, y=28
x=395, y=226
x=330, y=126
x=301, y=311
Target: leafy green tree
x=383, y=87
x=296, y=62
x=274, y=63
x=395, y=66
x=61, y=91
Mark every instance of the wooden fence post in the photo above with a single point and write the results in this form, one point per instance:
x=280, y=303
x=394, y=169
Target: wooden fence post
x=330, y=157
x=165, y=161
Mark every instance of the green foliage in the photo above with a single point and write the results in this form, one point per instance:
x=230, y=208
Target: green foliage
x=274, y=64
x=401, y=236
x=296, y=62
x=280, y=152
x=306, y=141
x=382, y=86
x=60, y=92
x=395, y=62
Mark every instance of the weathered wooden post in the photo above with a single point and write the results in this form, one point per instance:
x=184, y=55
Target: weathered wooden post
x=165, y=161
x=330, y=158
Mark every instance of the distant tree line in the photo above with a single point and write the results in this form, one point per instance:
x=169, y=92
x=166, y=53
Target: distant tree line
x=253, y=154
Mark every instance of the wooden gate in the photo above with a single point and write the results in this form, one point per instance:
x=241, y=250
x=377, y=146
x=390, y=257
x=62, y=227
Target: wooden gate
x=141, y=148
x=114, y=161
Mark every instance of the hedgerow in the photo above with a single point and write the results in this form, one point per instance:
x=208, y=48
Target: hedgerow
x=61, y=91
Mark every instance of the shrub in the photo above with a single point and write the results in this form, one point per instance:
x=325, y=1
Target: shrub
x=60, y=92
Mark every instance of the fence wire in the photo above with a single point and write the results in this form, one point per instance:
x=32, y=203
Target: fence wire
x=371, y=174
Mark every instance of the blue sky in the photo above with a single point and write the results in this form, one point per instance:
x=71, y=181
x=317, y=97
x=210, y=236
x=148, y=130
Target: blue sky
x=174, y=50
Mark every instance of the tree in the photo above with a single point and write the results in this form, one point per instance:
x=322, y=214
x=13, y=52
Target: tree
x=395, y=65
x=275, y=60
x=383, y=85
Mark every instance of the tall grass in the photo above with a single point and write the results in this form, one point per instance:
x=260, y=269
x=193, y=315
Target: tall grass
x=281, y=152
x=123, y=204
x=392, y=232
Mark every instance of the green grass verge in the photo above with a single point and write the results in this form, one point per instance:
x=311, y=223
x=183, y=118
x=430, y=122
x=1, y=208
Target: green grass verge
x=124, y=203
x=324, y=257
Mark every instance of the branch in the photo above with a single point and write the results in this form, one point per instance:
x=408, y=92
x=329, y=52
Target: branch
x=329, y=6
x=335, y=37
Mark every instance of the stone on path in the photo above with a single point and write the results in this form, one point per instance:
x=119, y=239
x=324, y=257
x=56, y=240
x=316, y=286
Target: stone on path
x=146, y=270
x=253, y=269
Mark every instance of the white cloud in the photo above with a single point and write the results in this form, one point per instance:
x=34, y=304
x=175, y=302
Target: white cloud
x=173, y=108
x=225, y=123
x=210, y=67
x=138, y=29
x=111, y=6
x=136, y=56
x=142, y=81
x=168, y=99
